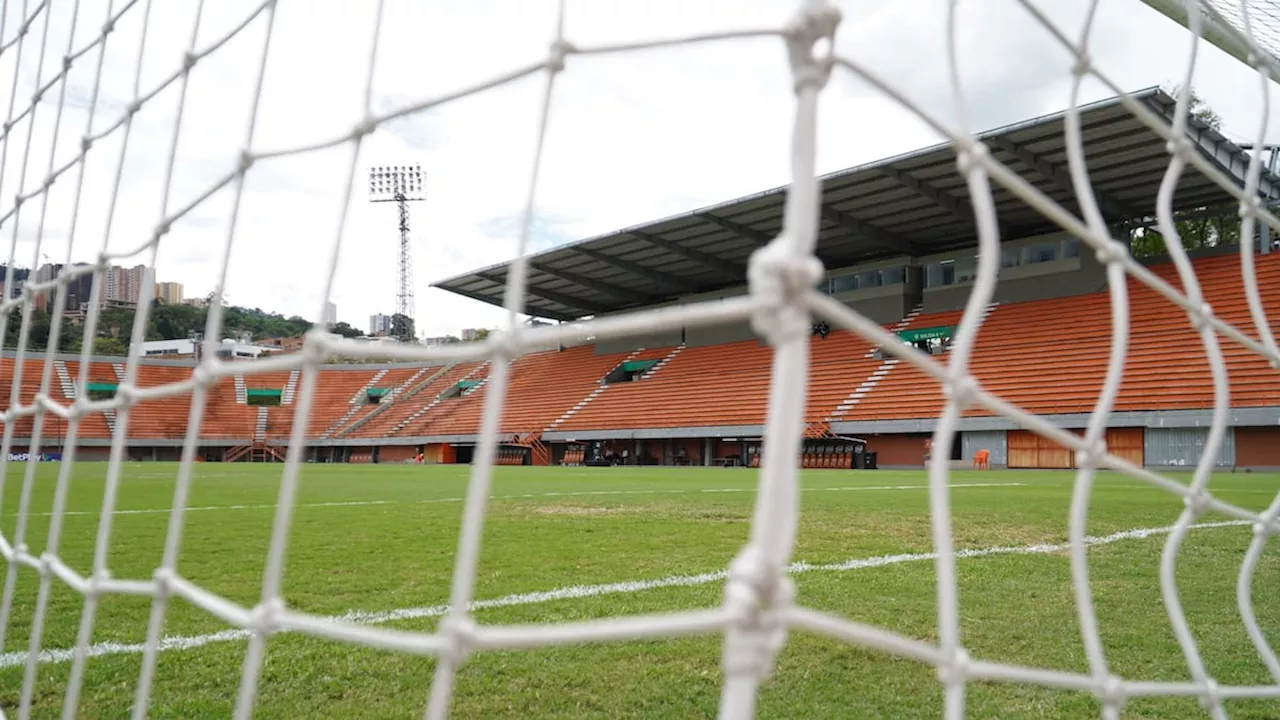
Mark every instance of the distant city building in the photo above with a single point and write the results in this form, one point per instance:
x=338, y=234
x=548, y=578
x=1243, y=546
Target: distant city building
x=228, y=349
x=125, y=283
x=170, y=293
x=379, y=324
x=330, y=315
x=469, y=334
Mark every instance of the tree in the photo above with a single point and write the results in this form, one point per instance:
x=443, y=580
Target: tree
x=402, y=328
x=1201, y=227
x=109, y=346
x=345, y=330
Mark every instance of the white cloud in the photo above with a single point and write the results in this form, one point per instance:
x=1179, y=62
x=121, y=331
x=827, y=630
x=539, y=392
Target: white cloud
x=632, y=137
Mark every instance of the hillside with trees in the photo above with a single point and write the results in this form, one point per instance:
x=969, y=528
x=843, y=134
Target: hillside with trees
x=164, y=322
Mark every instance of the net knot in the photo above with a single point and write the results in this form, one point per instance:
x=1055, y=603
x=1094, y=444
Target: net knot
x=1250, y=206
x=94, y=584
x=957, y=669
x=1092, y=454
x=779, y=279
x=46, y=564
x=559, y=50
x=204, y=374
x=1197, y=503
x=1179, y=146
x=1083, y=65
x=505, y=345
x=1212, y=698
x=1110, y=693
x=1201, y=317
x=971, y=154
x=1112, y=252
x=163, y=578
x=810, y=26
x=363, y=128
x=962, y=389
x=756, y=598
x=1265, y=527
x=264, y=618
x=458, y=633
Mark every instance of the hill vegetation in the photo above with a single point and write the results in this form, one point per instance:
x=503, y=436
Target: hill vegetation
x=165, y=322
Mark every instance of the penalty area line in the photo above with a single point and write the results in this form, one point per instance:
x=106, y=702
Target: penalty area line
x=361, y=617
x=522, y=496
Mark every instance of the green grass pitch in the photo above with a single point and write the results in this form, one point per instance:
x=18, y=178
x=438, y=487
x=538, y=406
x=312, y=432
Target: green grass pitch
x=376, y=539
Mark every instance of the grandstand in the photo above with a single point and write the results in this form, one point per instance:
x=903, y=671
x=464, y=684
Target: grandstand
x=897, y=239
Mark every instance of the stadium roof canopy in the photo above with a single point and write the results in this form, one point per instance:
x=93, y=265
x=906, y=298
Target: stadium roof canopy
x=910, y=205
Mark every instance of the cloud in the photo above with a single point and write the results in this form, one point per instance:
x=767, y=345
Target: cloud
x=631, y=136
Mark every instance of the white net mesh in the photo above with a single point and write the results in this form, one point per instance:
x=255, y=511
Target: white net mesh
x=757, y=610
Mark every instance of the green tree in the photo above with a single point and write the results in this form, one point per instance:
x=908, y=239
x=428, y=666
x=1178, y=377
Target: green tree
x=109, y=346
x=402, y=328
x=345, y=330
x=1201, y=227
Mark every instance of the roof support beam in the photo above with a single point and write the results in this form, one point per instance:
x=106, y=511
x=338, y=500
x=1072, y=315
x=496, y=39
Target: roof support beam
x=666, y=280
x=728, y=268
x=586, y=307
x=755, y=236
x=585, y=282
x=758, y=237
x=944, y=200
x=884, y=238
x=1061, y=178
x=491, y=300
x=1234, y=166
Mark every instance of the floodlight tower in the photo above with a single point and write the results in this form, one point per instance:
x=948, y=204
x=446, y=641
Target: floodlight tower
x=401, y=184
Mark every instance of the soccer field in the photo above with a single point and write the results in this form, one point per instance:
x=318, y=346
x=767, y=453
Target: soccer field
x=376, y=543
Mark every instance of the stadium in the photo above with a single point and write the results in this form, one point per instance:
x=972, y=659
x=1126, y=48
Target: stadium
x=899, y=244
x=989, y=429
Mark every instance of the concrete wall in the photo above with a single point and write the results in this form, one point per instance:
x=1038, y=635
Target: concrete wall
x=897, y=450
x=1183, y=447
x=995, y=441
x=627, y=344
x=1062, y=278
x=719, y=334
x=1257, y=447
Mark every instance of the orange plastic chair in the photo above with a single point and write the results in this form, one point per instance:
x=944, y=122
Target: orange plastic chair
x=982, y=460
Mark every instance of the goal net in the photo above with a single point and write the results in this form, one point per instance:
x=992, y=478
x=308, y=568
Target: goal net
x=54, y=54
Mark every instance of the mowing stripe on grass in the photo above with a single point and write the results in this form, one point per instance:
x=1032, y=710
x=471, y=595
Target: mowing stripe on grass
x=361, y=617
x=524, y=496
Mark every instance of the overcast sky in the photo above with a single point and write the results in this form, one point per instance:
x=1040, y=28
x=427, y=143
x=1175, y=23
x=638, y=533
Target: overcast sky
x=632, y=137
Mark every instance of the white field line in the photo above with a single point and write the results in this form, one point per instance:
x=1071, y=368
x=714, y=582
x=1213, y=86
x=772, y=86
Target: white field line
x=362, y=617
x=525, y=496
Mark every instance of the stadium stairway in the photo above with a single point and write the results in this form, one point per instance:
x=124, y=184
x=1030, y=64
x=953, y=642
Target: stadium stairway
x=663, y=356
x=450, y=399
x=94, y=425
x=542, y=387
x=333, y=394
x=392, y=382
x=416, y=403
x=402, y=400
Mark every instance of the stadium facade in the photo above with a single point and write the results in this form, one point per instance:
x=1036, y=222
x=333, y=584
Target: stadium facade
x=898, y=239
